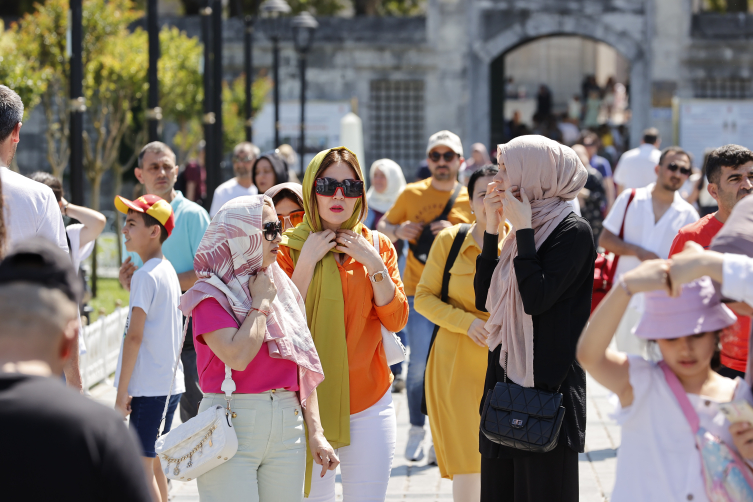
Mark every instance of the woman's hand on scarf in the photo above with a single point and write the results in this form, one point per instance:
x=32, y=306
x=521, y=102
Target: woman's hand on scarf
x=477, y=332
x=262, y=290
x=493, y=205
x=517, y=208
x=361, y=250
x=317, y=245
x=323, y=453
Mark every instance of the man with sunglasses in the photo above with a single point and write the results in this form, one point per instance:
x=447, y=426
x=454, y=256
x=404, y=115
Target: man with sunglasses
x=244, y=156
x=651, y=221
x=418, y=216
x=729, y=170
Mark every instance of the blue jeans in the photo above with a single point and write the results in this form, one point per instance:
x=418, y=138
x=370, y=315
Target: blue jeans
x=419, y=330
x=146, y=415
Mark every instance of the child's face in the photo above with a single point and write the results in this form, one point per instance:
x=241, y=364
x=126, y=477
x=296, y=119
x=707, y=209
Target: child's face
x=689, y=355
x=269, y=248
x=138, y=236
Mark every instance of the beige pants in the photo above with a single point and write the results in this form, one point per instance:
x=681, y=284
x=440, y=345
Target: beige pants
x=271, y=459
x=624, y=339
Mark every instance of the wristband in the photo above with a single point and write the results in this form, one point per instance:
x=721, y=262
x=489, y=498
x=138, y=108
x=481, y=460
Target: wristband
x=263, y=312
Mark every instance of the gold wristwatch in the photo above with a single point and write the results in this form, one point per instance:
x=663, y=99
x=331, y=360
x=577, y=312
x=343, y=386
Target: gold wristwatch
x=379, y=276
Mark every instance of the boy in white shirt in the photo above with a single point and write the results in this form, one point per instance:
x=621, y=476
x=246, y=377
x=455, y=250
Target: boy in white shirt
x=152, y=342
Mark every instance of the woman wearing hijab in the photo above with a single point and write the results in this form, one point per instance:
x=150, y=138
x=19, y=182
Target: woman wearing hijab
x=455, y=367
x=288, y=200
x=249, y=319
x=538, y=295
x=387, y=182
x=351, y=291
x=270, y=169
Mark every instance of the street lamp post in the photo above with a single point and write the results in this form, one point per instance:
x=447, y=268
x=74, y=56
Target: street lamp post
x=154, y=112
x=304, y=26
x=217, y=161
x=77, y=106
x=272, y=10
x=208, y=119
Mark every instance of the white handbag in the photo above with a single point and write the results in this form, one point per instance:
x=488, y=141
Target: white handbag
x=202, y=443
x=393, y=347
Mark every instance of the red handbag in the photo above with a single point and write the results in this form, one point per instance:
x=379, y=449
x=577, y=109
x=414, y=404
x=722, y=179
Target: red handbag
x=605, y=266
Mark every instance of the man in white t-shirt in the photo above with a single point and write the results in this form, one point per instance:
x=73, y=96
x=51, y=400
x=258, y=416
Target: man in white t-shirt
x=244, y=157
x=30, y=208
x=636, y=167
x=652, y=220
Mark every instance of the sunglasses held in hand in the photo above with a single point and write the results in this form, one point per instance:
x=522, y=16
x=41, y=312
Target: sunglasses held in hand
x=328, y=187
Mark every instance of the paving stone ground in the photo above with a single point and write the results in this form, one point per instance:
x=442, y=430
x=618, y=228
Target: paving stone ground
x=418, y=481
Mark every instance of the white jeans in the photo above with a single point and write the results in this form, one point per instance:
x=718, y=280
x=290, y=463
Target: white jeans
x=366, y=463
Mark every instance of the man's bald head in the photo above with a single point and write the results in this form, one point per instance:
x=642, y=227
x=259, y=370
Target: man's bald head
x=36, y=323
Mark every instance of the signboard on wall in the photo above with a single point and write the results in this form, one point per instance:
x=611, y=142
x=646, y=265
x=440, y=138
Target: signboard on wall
x=322, y=126
x=710, y=123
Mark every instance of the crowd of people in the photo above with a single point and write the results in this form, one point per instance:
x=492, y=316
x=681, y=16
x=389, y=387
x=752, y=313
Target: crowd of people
x=273, y=316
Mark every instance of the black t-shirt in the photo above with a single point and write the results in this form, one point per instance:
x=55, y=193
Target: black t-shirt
x=58, y=445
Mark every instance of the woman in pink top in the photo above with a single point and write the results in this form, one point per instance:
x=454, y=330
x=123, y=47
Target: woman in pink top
x=248, y=315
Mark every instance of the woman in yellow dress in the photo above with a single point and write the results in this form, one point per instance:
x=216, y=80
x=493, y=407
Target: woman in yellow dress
x=456, y=367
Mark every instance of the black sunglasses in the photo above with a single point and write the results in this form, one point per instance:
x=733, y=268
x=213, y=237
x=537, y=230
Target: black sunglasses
x=448, y=156
x=328, y=187
x=672, y=166
x=271, y=230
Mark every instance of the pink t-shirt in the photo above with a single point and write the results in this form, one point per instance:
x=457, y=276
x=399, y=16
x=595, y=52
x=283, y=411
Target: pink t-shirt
x=262, y=374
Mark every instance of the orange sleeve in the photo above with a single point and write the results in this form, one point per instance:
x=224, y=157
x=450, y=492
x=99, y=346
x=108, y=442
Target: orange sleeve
x=285, y=261
x=394, y=315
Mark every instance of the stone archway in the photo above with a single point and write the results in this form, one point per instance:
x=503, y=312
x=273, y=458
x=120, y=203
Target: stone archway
x=624, y=32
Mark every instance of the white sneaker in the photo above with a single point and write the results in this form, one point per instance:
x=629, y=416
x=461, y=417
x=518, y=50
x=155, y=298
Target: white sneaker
x=431, y=457
x=414, y=450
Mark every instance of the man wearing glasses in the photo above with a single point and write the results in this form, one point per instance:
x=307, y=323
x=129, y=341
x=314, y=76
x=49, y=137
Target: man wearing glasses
x=651, y=221
x=423, y=210
x=244, y=156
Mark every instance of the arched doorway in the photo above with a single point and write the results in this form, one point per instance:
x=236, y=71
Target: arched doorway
x=624, y=32
x=560, y=74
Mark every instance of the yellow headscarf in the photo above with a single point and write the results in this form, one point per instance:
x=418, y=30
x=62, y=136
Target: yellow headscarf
x=325, y=313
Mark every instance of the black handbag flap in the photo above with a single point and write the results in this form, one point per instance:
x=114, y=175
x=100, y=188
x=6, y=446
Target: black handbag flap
x=526, y=400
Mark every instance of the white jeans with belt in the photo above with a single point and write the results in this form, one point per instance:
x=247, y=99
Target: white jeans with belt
x=366, y=463
x=271, y=459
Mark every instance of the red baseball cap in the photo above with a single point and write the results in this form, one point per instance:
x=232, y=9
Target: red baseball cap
x=153, y=205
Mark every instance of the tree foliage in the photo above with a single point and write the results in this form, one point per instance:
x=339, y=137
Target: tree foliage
x=233, y=106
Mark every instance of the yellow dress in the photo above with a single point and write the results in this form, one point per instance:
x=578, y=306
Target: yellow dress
x=456, y=367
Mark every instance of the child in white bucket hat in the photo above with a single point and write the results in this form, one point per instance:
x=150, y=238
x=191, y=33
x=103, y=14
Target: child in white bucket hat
x=658, y=458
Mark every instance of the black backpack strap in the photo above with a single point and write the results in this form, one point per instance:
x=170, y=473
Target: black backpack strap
x=454, y=251
x=450, y=203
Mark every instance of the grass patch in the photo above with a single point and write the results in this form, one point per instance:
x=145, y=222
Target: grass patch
x=109, y=292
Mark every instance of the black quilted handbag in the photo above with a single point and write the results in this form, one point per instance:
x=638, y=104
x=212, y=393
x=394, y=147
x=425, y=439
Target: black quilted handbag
x=523, y=418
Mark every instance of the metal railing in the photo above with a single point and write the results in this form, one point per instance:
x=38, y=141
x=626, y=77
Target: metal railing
x=103, y=339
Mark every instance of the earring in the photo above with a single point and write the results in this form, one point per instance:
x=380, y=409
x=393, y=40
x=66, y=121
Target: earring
x=472, y=212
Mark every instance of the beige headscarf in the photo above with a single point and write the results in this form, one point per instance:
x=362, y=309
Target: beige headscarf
x=551, y=174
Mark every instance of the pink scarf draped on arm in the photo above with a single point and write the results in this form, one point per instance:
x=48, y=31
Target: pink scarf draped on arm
x=551, y=174
x=230, y=252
